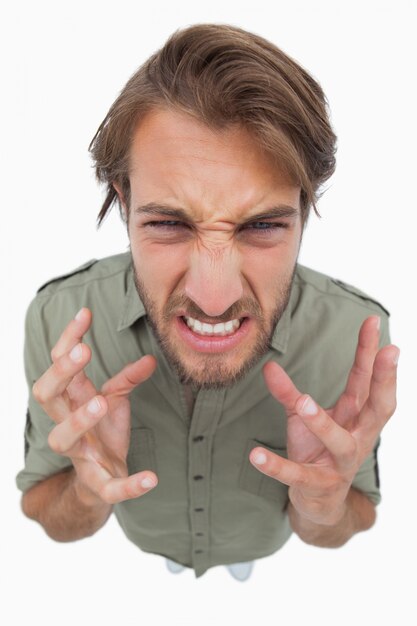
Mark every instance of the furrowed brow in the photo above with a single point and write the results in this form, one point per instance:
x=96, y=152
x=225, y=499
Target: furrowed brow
x=161, y=210
x=281, y=211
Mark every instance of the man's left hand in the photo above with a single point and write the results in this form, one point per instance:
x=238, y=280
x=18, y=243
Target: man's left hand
x=327, y=447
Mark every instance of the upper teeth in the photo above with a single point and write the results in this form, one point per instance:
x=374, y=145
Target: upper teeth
x=202, y=328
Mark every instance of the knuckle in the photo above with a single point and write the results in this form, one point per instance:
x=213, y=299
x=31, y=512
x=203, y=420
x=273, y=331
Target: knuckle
x=78, y=422
x=272, y=471
x=128, y=492
x=354, y=403
x=393, y=408
x=39, y=393
x=301, y=480
x=350, y=451
x=360, y=370
x=324, y=424
x=61, y=367
x=106, y=495
x=102, y=493
x=55, y=444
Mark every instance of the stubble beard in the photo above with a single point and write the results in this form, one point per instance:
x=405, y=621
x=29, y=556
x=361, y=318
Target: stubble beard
x=211, y=371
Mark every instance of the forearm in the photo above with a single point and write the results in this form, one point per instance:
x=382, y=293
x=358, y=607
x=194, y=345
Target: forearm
x=66, y=511
x=359, y=515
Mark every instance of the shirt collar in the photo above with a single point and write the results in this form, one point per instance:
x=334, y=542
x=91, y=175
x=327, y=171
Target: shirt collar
x=281, y=335
x=133, y=309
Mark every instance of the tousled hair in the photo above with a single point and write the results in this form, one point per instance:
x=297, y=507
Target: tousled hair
x=223, y=75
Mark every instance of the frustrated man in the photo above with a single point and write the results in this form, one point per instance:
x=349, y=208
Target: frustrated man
x=204, y=387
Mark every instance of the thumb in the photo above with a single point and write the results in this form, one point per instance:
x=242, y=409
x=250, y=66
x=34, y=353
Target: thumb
x=130, y=376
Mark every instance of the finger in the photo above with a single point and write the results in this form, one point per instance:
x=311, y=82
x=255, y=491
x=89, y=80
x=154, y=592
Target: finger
x=69, y=431
x=338, y=441
x=80, y=388
x=357, y=387
x=381, y=402
x=116, y=490
x=281, y=386
x=49, y=389
x=72, y=334
x=287, y=472
x=130, y=376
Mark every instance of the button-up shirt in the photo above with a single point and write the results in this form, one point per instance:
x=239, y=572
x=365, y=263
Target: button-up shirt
x=211, y=506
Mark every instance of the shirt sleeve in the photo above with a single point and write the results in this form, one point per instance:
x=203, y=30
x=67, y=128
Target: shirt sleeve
x=367, y=478
x=40, y=461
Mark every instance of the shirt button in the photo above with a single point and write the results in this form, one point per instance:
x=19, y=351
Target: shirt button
x=199, y=510
x=198, y=438
x=199, y=534
x=198, y=551
x=198, y=477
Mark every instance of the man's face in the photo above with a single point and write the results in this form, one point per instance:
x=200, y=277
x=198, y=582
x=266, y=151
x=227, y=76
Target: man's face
x=214, y=232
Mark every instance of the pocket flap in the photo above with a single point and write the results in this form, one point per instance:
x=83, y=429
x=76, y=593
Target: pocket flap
x=257, y=483
x=141, y=455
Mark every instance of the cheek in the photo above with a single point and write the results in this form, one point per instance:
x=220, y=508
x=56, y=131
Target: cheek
x=267, y=271
x=159, y=265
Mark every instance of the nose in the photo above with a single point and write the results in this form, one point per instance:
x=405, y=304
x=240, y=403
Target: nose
x=213, y=280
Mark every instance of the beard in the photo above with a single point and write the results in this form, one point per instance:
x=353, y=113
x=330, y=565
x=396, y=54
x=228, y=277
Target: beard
x=213, y=371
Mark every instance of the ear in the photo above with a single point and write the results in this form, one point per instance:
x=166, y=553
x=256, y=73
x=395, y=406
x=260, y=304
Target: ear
x=121, y=199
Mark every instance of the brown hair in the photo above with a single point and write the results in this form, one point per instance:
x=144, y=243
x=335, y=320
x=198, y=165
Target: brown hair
x=223, y=75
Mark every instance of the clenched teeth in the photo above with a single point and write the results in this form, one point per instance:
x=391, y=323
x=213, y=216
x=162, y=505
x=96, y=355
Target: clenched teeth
x=218, y=330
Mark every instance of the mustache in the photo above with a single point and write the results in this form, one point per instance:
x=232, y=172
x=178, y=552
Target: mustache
x=245, y=306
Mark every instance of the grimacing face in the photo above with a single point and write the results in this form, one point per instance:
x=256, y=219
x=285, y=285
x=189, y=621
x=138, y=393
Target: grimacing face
x=214, y=233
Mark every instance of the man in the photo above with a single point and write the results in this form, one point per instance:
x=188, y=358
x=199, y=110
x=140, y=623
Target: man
x=197, y=408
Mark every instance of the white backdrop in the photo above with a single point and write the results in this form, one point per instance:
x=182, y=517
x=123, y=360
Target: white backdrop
x=63, y=63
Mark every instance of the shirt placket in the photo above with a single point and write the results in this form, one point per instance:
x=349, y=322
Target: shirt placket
x=205, y=417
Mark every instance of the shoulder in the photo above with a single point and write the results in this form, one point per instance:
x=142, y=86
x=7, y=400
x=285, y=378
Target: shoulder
x=109, y=269
x=326, y=316
x=97, y=284
x=316, y=287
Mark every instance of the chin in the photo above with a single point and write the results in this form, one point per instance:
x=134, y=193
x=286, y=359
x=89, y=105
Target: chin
x=213, y=371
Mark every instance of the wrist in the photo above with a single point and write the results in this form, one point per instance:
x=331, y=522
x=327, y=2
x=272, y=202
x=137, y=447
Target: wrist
x=356, y=515
x=320, y=510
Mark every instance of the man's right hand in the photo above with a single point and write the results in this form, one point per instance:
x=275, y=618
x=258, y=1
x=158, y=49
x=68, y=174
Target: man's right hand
x=93, y=429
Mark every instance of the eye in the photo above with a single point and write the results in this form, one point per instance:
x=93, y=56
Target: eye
x=168, y=224
x=264, y=227
x=168, y=231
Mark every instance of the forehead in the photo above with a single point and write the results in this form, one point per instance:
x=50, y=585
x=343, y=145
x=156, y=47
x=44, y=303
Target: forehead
x=178, y=160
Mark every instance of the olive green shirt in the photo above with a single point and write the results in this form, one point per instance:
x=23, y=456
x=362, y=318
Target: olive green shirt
x=211, y=506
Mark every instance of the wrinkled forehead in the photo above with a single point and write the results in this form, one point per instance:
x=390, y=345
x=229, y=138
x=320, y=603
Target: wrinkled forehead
x=176, y=159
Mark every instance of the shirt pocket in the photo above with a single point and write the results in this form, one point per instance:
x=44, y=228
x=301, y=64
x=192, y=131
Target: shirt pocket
x=259, y=484
x=141, y=454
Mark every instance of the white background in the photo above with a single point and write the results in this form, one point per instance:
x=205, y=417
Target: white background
x=63, y=64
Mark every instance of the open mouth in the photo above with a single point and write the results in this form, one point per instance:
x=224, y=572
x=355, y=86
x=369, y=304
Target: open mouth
x=219, y=338
x=222, y=329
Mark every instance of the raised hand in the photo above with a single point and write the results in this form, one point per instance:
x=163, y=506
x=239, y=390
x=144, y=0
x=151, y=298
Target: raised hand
x=93, y=428
x=326, y=448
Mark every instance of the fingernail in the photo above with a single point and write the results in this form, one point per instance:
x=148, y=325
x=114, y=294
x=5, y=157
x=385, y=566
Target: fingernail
x=396, y=357
x=79, y=314
x=148, y=483
x=259, y=458
x=378, y=322
x=94, y=406
x=309, y=407
x=76, y=353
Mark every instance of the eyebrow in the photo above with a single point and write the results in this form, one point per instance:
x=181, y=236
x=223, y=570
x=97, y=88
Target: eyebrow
x=280, y=211
x=162, y=210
